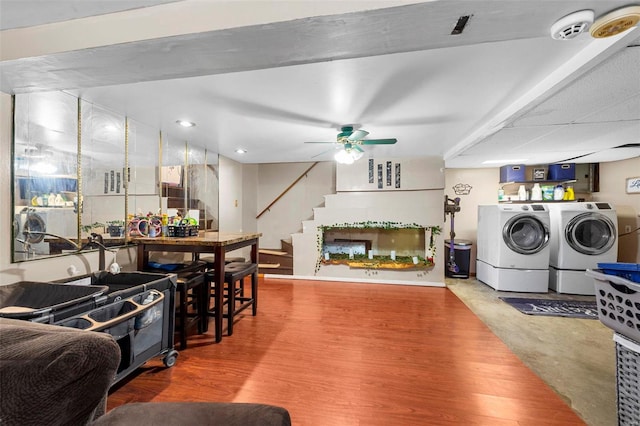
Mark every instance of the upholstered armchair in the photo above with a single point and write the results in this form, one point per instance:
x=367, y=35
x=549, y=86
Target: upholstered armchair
x=51, y=375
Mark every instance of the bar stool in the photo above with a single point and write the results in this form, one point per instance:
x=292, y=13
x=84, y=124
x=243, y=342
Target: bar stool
x=209, y=260
x=234, y=274
x=190, y=288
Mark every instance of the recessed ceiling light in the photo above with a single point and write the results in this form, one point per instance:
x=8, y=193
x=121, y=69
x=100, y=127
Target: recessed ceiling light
x=185, y=123
x=507, y=161
x=241, y=151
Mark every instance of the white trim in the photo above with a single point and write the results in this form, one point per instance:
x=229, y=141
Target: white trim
x=356, y=280
x=627, y=343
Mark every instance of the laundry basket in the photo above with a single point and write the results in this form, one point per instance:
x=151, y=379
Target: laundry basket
x=618, y=301
x=627, y=380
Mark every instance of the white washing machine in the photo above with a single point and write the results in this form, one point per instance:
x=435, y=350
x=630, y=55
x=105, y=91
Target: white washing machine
x=513, y=247
x=55, y=220
x=582, y=235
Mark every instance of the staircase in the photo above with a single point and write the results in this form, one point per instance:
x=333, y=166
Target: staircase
x=277, y=261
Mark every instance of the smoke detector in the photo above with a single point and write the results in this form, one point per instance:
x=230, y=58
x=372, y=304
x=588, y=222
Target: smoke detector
x=572, y=25
x=616, y=22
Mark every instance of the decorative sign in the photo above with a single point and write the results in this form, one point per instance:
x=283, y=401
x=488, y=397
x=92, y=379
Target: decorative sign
x=388, y=173
x=462, y=188
x=633, y=185
x=398, y=175
x=370, y=170
x=538, y=174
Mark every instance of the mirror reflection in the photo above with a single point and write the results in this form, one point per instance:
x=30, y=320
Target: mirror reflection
x=125, y=170
x=45, y=174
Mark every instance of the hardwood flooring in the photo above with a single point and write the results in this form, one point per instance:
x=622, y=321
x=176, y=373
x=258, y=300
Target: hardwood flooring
x=339, y=354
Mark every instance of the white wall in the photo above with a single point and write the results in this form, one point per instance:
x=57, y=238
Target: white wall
x=484, y=190
x=237, y=195
x=285, y=217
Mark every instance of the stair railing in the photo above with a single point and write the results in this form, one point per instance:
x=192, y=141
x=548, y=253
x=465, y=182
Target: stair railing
x=286, y=190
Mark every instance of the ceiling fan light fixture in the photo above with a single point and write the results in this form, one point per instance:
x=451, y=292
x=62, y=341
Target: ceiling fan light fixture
x=349, y=156
x=616, y=22
x=572, y=25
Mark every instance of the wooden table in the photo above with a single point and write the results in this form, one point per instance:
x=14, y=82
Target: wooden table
x=217, y=243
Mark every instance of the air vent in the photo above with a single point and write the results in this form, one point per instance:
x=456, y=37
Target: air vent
x=572, y=25
x=462, y=22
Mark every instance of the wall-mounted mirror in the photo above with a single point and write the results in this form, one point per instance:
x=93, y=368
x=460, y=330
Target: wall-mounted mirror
x=80, y=168
x=45, y=173
x=103, y=178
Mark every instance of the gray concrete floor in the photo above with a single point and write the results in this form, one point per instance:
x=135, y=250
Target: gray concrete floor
x=575, y=357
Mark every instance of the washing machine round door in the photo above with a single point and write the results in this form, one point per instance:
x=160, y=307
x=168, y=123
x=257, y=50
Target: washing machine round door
x=525, y=234
x=590, y=233
x=34, y=228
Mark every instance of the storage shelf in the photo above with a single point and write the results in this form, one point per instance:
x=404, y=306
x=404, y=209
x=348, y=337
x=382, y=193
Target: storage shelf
x=536, y=201
x=525, y=182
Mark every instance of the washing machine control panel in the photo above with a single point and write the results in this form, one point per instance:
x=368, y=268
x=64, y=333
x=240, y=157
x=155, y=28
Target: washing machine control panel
x=537, y=207
x=603, y=206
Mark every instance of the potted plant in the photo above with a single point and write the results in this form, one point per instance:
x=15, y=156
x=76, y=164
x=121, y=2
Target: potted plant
x=115, y=228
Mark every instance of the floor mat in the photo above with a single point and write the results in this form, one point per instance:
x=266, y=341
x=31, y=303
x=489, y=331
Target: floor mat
x=554, y=308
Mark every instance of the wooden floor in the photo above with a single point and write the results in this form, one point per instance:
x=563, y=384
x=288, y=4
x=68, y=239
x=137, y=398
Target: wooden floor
x=357, y=354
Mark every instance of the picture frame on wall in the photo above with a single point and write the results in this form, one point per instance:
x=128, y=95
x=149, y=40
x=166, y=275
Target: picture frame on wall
x=539, y=174
x=633, y=185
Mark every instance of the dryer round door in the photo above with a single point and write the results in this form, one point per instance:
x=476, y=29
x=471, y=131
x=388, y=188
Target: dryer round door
x=525, y=234
x=590, y=233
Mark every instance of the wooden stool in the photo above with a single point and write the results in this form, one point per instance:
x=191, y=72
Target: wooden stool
x=235, y=273
x=190, y=289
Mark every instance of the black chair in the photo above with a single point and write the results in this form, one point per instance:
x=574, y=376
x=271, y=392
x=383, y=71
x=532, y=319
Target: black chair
x=191, y=292
x=190, y=288
x=235, y=300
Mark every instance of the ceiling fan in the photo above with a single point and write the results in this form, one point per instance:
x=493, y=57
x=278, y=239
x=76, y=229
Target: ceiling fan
x=351, y=141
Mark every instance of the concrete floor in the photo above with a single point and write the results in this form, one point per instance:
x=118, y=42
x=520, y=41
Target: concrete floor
x=575, y=357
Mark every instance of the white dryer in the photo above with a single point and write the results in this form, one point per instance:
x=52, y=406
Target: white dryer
x=513, y=247
x=582, y=235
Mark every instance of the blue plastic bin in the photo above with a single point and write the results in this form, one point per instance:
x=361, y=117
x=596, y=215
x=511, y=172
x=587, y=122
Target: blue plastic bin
x=628, y=271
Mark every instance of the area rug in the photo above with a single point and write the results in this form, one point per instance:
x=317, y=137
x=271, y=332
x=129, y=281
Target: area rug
x=554, y=308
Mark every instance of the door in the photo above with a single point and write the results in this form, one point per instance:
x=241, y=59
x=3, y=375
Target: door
x=590, y=233
x=525, y=234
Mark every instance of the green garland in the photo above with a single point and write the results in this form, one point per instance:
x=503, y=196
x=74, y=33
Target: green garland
x=379, y=225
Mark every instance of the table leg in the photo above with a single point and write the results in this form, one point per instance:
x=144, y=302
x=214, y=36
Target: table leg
x=143, y=258
x=219, y=290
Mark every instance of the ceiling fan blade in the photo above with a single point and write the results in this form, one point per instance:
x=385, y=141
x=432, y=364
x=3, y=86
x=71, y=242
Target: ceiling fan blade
x=358, y=135
x=357, y=148
x=378, y=141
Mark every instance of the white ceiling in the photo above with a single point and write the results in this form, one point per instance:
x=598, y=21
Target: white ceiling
x=267, y=76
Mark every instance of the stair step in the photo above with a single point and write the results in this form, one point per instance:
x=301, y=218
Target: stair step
x=273, y=252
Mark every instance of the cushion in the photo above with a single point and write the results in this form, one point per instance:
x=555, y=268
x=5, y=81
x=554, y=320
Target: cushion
x=195, y=413
x=52, y=374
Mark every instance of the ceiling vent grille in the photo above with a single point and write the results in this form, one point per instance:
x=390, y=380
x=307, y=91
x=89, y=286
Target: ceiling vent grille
x=572, y=25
